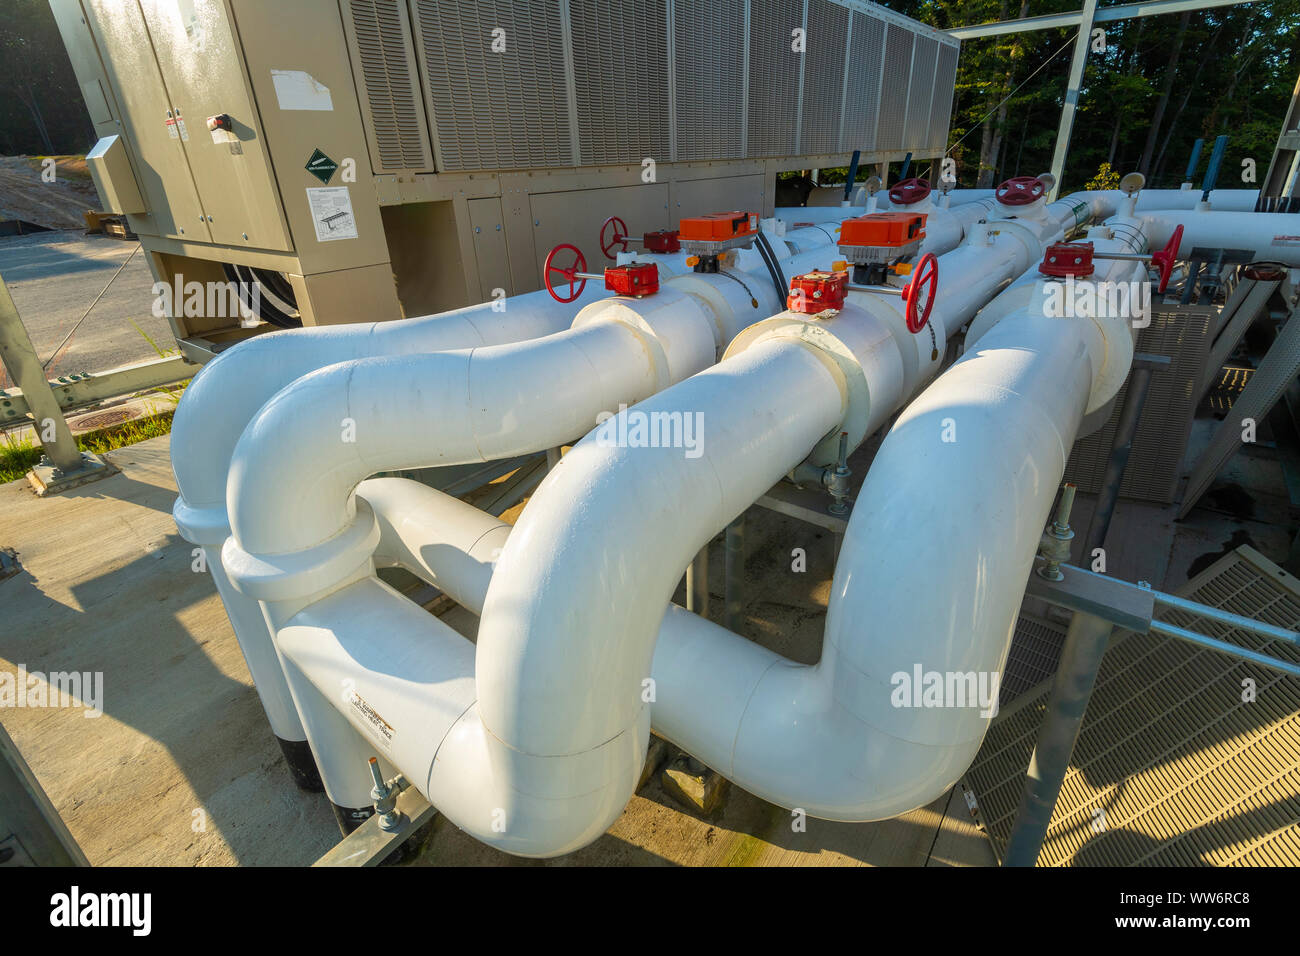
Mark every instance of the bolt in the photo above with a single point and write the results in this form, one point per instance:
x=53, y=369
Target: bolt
x=1064, y=506
x=838, y=483
x=1054, y=546
x=385, y=798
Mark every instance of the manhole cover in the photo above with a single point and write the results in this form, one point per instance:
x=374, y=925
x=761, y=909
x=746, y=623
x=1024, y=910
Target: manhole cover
x=104, y=419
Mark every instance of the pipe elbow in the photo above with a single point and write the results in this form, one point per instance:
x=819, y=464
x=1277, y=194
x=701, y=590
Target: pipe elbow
x=228, y=392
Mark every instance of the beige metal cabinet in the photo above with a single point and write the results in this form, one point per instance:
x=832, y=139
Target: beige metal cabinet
x=205, y=77
x=149, y=123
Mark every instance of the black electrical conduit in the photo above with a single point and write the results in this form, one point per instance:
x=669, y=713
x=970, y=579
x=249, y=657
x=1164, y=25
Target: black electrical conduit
x=243, y=278
x=773, y=266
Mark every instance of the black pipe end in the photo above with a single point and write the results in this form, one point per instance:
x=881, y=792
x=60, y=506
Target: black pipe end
x=349, y=818
x=302, y=765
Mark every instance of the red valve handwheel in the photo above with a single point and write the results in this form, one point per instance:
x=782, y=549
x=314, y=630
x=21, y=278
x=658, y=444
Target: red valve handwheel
x=1020, y=191
x=1164, y=259
x=619, y=236
x=909, y=191
x=570, y=273
x=919, y=298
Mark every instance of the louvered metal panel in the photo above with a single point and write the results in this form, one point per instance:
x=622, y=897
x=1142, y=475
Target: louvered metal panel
x=1181, y=333
x=862, y=101
x=708, y=53
x=894, y=91
x=494, y=110
x=774, y=71
x=620, y=71
x=945, y=87
x=391, y=98
x=1172, y=766
x=823, y=82
x=586, y=82
x=925, y=55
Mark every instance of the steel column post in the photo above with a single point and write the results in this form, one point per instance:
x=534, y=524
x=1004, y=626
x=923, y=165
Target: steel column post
x=1085, y=643
x=1078, y=61
x=24, y=367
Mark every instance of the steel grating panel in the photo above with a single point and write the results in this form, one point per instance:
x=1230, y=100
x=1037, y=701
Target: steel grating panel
x=1172, y=766
x=1035, y=649
x=708, y=55
x=387, y=61
x=945, y=88
x=495, y=110
x=863, y=94
x=1182, y=334
x=774, y=70
x=823, y=85
x=897, y=72
x=916, y=129
x=620, y=70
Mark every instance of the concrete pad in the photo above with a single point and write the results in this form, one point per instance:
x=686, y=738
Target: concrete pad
x=181, y=768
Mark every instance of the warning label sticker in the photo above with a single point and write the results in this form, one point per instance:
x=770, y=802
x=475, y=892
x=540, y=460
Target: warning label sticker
x=321, y=166
x=379, y=728
x=331, y=213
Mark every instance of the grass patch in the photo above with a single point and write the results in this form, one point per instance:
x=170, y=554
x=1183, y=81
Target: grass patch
x=19, y=455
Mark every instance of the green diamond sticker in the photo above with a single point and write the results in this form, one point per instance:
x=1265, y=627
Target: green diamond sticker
x=321, y=166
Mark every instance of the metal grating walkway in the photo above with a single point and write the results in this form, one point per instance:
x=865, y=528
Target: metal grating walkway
x=1172, y=767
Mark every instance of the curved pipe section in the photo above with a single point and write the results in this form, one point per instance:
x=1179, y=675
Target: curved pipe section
x=229, y=391
x=546, y=726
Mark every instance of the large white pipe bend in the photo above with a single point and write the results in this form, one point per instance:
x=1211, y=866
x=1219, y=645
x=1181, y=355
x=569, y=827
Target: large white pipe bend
x=549, y=754
x=337, y=426
x=557, y=735
x=229, y=390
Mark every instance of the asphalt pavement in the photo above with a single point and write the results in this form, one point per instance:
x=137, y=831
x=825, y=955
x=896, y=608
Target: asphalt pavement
x=54, y=276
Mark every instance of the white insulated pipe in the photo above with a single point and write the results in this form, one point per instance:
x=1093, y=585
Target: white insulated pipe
x=547, y=749
x=1227, y=200
x=494, y=402
x=229, y=390
x=710, y=284
x=1272, y=237
x=548, y=756
x=862, y=350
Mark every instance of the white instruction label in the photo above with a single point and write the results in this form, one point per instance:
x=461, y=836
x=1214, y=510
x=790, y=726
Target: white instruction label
x=379, y=728
x=299, y=90
x=331, y=213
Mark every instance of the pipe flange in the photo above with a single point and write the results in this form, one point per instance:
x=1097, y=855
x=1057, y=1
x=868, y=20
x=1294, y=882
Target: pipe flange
x=681, y=340
x=300, y=574
x=859, y=348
